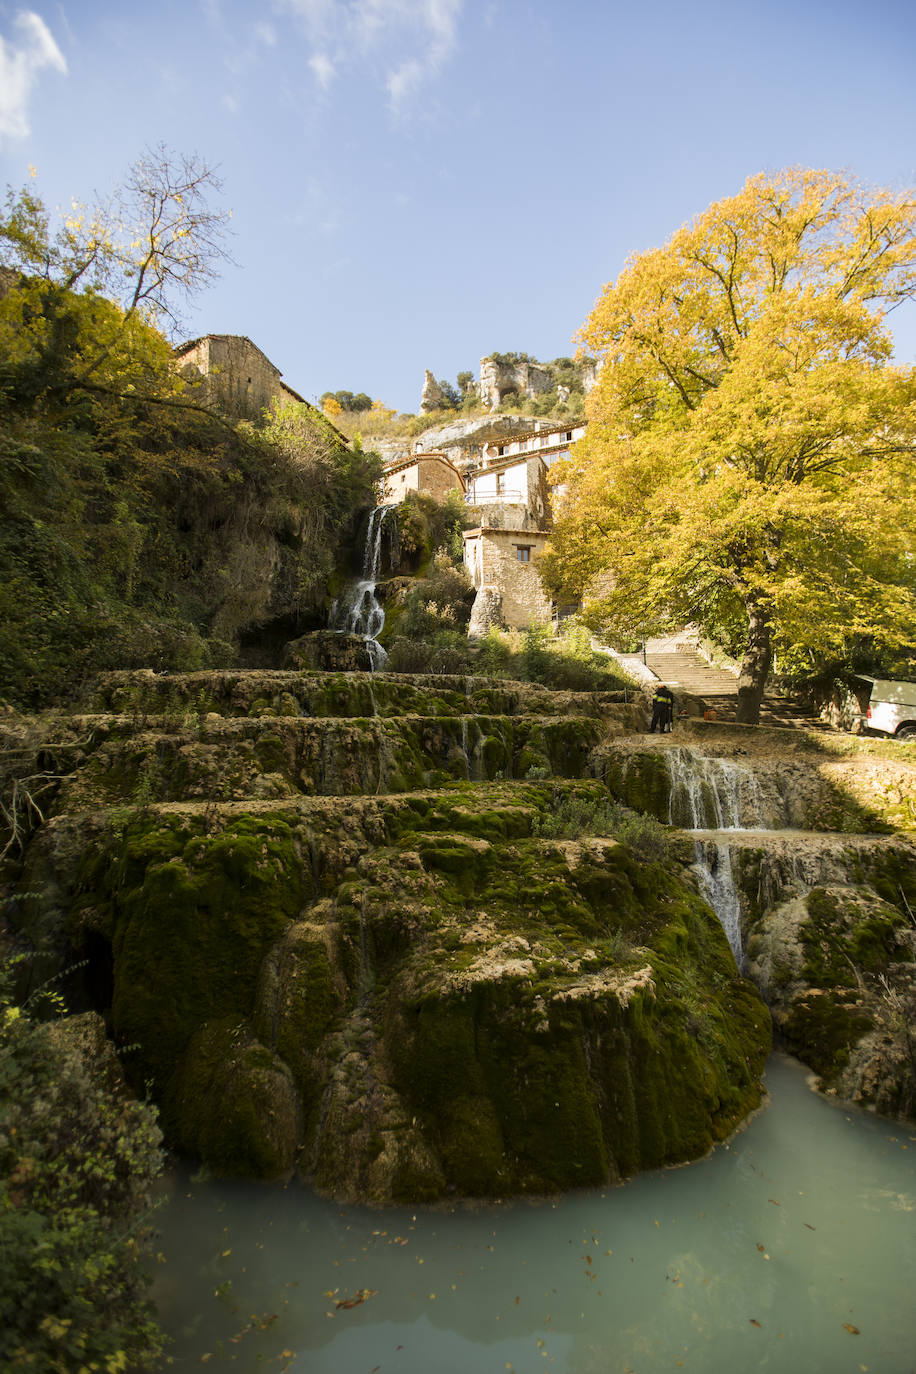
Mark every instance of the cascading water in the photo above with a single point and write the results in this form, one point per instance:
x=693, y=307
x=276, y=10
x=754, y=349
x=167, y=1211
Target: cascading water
x=717, y=794
x=357, y=611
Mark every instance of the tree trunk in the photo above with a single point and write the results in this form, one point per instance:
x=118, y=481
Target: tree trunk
x=755, y=666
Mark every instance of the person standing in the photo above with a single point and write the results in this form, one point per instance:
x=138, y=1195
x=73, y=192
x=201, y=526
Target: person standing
x=662, y=709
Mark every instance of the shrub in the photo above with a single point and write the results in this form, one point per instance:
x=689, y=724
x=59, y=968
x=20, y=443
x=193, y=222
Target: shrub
x=77, y=1159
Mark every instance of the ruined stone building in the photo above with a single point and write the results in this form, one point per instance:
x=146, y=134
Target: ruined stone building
x=432, y=473
x=233, y=376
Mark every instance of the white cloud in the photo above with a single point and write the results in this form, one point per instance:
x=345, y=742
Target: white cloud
x=266, y=33
x=21, y=59
x=407, y=40
x=323, y=69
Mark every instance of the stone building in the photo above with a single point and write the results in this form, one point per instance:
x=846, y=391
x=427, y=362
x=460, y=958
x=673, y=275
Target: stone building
x=551, y=440
x=509, y=488
x=431, y=473
x=236, y=378
x=500, y=561
x=517, y=484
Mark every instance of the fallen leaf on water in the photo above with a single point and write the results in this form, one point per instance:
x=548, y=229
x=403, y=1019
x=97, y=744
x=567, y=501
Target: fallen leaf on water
x=753, y=1321
x=760, y=1247
x=517, y=1301
x=773, y=1200
x=588, y=1259
x=205, y=1358
x=225, y=1254
x=853, y=1330
x=359, y=1296
x=810, y=1227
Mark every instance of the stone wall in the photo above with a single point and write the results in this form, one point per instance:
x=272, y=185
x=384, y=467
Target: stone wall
x=232, y=373
x=491, y=558
x=429, y=472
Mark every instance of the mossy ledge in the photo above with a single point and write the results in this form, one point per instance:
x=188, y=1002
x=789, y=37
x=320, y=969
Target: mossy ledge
x=382, y=928
x=408, y=997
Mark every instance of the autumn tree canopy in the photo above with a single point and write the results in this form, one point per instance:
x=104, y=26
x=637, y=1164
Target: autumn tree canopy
x=751, y=446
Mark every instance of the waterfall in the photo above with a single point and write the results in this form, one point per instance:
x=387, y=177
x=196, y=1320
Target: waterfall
x=713, y=867
x=717, y=794
x=357, y=611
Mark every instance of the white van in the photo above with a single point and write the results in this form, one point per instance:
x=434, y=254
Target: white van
x=891, y=708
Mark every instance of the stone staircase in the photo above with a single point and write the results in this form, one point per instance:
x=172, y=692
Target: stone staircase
x=688, y=674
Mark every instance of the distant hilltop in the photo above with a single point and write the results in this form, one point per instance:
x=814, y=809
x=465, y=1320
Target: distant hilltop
x=511, y=377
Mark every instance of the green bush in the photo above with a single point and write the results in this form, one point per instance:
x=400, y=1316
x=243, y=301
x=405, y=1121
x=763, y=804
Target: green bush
x=137, y=531
x=571, y=817
x=77, y=1160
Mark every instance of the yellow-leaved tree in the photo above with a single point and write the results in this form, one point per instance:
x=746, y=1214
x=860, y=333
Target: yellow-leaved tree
x=750, y=453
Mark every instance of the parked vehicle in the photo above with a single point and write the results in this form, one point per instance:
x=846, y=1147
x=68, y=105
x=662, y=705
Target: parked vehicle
x=891, y=708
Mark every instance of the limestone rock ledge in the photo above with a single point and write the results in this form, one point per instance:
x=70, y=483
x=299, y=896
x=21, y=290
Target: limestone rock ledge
x=409, y=997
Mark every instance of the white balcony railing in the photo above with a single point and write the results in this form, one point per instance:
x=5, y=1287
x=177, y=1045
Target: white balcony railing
x=510, y=497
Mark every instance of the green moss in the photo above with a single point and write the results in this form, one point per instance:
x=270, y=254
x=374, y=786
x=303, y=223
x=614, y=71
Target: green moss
x=191, y=915
x=822, y=1030
x=234, y=1104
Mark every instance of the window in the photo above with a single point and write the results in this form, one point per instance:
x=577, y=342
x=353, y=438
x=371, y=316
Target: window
x=523, y=552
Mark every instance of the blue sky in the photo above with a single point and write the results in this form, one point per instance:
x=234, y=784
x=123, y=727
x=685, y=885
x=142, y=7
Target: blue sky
x=415, y=183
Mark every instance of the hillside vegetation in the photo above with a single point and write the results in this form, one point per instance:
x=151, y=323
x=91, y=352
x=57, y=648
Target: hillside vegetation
x=140, y=529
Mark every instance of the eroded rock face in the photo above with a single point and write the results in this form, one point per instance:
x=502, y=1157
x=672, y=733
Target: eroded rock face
x=826, y=903
x=387, y=930
x=486, y=612
x=498, y=380
x=345, y=932
x=433, y=397
x=422, y=998
x=832, y=947
x=330, y=651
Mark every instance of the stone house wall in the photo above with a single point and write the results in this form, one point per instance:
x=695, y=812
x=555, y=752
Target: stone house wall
x=232, y=374
x=431, y=473
x=491, y=557
x=512, y=483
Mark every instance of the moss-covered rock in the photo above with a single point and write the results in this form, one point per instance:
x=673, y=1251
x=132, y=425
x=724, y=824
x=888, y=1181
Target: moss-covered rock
x=390, y=931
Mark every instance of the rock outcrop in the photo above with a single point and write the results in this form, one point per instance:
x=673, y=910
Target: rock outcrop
x=379, y=929
x=433, y=397
x=486, y=612
x=826, y=905
x=500, y=379
x=395, y=931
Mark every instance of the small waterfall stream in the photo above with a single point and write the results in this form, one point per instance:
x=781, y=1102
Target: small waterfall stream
x=718, y=794
x=357, y=611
